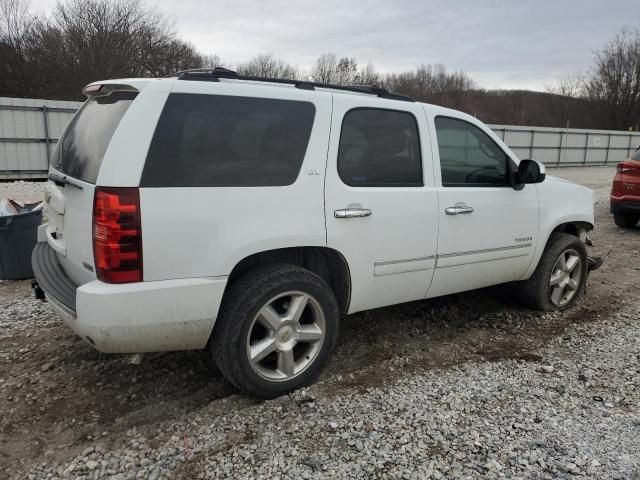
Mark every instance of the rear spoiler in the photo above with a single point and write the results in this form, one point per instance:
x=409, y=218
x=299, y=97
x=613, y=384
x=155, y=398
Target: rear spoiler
x=104, y=89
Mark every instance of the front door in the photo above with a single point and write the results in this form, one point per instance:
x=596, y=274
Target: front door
x=488, y=230
x=380, y=200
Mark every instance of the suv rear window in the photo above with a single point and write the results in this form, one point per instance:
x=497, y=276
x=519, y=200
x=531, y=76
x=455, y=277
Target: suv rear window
x=228, y=141
x=82, y=147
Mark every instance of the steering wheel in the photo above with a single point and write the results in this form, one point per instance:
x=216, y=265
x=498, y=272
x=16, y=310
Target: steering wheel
x=473, y=172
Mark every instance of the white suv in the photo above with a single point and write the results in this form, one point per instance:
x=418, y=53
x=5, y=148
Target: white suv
x=247, y=215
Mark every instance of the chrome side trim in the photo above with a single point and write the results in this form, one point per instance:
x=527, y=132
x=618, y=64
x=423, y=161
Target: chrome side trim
x=482, y=261
x=486, y=250
x=403, y=265
x=406, y=265
x=404, y=260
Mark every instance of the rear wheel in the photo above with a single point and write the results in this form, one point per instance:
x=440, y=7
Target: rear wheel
x=560, y=277
x=276, y=330
x=626, y=220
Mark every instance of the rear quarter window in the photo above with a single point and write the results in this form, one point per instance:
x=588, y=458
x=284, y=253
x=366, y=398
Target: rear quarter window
x=82, y=147
x=228, y=141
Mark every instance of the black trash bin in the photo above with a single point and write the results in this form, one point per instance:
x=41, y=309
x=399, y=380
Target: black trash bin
x=18, y=236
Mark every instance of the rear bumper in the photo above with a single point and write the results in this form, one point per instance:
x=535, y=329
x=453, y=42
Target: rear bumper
x=625, y=206
x=133, y=317
x=52, y=279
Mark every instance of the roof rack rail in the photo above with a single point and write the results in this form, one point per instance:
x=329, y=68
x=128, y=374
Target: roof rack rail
x=214, y=74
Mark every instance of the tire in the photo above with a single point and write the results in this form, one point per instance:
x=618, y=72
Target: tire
x=538, y=293
x=626, y=220
x=246, y=326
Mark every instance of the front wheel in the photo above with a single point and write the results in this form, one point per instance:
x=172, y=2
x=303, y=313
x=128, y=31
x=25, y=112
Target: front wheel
x=276, y=330
x=560, y=277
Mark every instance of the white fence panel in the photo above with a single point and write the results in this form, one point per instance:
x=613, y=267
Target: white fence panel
x=29, y=129
x=567, y=146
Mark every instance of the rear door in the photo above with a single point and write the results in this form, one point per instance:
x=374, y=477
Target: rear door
x=381, y=206
x=74, y=167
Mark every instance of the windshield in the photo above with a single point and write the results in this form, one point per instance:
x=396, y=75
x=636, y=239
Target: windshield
x=82, y=147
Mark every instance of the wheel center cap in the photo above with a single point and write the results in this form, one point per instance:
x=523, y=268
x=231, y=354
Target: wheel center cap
x=285, y=336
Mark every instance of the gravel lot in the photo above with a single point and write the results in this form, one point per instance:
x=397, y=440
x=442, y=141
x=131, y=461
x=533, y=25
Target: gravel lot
x=466, y=386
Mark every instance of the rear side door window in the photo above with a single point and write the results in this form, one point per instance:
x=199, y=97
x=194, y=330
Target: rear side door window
x=228, y=141
x=379, y=148
x=468, y=156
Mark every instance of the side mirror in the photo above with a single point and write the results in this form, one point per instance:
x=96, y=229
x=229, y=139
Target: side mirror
x=530, y=171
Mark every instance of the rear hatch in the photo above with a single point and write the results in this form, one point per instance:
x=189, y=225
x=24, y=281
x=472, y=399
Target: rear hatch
x=631, y=176
x=74, y=170
x=626, y=184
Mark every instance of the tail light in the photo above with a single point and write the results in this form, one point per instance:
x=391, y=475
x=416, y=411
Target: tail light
x=117, y=235
x=628, y=167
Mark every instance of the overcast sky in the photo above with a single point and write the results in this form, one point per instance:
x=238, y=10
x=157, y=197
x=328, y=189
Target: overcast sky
x=500, y=43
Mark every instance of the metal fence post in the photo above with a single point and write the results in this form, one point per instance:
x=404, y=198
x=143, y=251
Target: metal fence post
x=586, y=150
x=629, y=147
x=47, y=138
x=533, y=134
x=606, y=158
x=560, y=150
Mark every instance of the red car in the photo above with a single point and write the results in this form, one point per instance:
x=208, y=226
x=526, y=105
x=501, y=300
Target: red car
x=625, y=193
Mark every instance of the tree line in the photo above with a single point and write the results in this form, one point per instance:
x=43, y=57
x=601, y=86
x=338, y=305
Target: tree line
x=80, y=41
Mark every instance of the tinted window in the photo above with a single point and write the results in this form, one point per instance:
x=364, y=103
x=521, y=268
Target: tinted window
x=468, y=156
x=228, y=141
x=81, y=149
x=379, y=148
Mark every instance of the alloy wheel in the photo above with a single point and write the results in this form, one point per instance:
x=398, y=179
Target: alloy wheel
x=565, y=278
x=286, y=336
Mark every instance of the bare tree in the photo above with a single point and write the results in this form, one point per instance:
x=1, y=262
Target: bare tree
x=432, y=83
x=324, y=70
x=87, y=40
x=267, y=65
x=615, y=80
x=328, y=68
x=14, y=26
x=210, y=60
x=346, y=71
x=367, y=75
x=568, y=86
x=561, y=101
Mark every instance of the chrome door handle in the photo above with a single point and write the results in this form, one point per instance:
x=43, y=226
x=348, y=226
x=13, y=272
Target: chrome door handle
x=458, y=208
x=352, y=213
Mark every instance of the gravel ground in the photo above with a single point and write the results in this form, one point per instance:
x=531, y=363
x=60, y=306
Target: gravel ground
x=466, y=386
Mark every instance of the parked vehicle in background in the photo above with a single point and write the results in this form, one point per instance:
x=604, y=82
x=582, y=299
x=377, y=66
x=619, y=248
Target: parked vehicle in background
x=247, y=215
x=625, y=192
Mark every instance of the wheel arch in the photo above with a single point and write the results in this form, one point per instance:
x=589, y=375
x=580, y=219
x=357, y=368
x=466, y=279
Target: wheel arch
x=325, y=262
x=576, y=227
